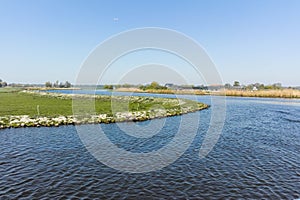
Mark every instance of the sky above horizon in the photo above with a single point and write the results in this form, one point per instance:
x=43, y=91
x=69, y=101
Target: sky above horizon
x=249, y=41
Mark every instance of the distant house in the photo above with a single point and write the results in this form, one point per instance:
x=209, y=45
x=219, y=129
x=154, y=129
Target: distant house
x=200, y=87
x=239, y=87
x=254, y=88
x=215, y=87
x=169, y=85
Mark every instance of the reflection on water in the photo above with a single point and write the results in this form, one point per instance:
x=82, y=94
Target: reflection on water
x=256, y=157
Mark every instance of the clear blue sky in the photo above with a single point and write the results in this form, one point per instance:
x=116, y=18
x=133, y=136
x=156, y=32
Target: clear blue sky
x=248, y=40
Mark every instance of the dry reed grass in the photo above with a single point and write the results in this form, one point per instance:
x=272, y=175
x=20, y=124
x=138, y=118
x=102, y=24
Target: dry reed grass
x=284, y=93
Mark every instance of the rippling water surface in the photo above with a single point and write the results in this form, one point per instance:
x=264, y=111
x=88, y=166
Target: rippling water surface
x=256, y=157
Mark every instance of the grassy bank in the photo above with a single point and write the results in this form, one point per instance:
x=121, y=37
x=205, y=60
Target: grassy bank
x=47, y=109
x=10, y=89
x=51, y=88
x=19, y=103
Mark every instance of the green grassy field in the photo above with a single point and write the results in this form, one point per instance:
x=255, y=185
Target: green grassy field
x=10, y=89
x=15, y=103
x=19, y=103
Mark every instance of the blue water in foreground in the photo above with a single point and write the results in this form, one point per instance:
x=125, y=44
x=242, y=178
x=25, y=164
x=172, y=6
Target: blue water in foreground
x=256, y=157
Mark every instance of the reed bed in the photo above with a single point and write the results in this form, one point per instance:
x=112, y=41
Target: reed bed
x=163, y=91
x=284, y=93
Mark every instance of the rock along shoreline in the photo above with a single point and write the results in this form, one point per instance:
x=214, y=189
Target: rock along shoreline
x=19, y=121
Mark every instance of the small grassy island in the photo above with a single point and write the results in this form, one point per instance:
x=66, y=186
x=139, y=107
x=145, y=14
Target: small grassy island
x=35, y=109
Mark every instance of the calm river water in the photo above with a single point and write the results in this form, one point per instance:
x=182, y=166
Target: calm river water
x=256, y=157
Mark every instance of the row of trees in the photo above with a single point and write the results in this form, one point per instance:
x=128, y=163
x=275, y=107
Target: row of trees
x=126, y=85
x=258, y=86
x=153, y=86
x=235, y=85
x=58, y=84
x=108, y=87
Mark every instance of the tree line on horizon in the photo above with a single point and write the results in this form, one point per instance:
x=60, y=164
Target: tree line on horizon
x=256, y=86
x=236, y=85
x=153, y=85
x=58, y=84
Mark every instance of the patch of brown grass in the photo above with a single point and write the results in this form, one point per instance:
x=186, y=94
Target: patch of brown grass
x=128, y=90
x=284, y=93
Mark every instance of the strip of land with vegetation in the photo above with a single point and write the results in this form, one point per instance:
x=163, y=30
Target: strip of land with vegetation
x=275, y=90
x=278, y=93
x=34, y=109
x=251, y=90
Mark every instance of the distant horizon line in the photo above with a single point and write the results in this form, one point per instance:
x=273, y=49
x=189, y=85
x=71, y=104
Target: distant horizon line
x=137, y=84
